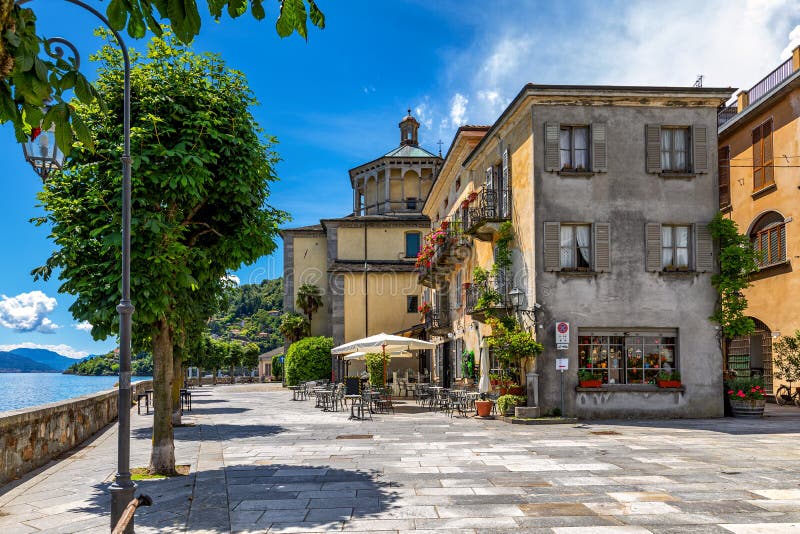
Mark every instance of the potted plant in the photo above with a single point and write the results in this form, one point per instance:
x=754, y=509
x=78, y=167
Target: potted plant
x=424, y=309
x=494, y=379
x=669, y=380
x=507, y=403
x=589, y=379
x=483, y=406
x=747, y=397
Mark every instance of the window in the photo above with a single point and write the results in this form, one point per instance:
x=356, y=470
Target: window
x=576, y=247
x=412, y=304
x=411, y=203
x=412, y=244
x=763, y=172
x=769, y=239
x=459, y=280
x=675, y=149
x=628, y=358
x=675, y=248
x=458, y=183
x=573, y=145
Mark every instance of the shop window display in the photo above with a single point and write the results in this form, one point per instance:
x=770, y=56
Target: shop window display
x=627, y=359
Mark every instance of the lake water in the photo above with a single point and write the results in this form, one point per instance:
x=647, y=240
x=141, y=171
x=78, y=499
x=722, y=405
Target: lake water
x=23, y=390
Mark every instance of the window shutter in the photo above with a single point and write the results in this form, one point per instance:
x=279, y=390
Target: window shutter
x=552, y=155
x=782, y=231
x=653, y=245
x=724, y=158
x=505, y=188
x=602, y=247
x=489, y=179
x=653, y=142
x=700, y=148
x=599, y=155
x=552, y=246
x=703, y=249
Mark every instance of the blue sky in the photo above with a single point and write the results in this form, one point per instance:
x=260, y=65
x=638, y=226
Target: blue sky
x=334, y=102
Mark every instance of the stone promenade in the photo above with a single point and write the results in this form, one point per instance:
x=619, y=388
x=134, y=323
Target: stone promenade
x=263, y=463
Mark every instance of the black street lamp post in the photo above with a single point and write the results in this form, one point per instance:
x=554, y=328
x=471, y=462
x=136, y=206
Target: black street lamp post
x=44, y=156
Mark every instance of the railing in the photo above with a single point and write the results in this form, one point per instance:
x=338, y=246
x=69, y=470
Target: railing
x=491, y=294
x=726, y=113
x=493, y=205
x=409, y=205
x=759, y=90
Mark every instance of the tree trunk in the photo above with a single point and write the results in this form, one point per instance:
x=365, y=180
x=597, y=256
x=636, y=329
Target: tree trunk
x=162, y=456
x=177, y=384
x=214, y=377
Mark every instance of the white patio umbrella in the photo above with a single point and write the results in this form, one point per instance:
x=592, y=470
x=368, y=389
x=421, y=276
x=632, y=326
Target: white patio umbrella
x=383, y=342
x=483, y=384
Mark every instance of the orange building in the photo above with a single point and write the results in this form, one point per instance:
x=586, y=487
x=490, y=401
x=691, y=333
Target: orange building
x=759, y=159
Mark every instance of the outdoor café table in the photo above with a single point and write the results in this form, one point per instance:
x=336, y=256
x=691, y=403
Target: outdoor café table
x=437, y=390
x=323, y=399
x=295, y=392
x=319, y=393
x=355, y=407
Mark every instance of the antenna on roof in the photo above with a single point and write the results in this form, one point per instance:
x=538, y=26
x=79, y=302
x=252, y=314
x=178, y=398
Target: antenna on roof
x=699, y=81
x=440, y=147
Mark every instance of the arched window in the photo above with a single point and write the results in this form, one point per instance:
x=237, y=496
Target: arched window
x=768, y=236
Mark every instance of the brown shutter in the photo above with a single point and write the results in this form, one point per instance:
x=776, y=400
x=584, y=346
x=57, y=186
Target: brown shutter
x=758, y=161
x=653, y=245
x=767, y=155
x=599, y=154
x=724, y=159
x=700, y=148
x=602, y=247
x=782, y=233
x=552, y=155
x=552, y=246
x=653, y=142
x=703, y=248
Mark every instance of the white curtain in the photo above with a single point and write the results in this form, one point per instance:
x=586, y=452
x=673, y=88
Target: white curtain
x=582, y=235
x=567, y=258
x=680, y=150
x=563, y=145
x=666, y=149
x=580, y=139
x=682, y=246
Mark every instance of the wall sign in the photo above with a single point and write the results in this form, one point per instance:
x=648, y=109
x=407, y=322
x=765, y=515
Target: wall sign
x=562, y=364
x=562, y=335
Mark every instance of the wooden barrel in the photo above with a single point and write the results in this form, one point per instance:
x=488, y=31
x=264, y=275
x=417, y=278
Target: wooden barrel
x=746, y=408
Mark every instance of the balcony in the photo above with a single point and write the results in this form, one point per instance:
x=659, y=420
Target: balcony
x=437, y=322
x=490, y=208
x=757, y=92
x=489, y=298
x=441, y=251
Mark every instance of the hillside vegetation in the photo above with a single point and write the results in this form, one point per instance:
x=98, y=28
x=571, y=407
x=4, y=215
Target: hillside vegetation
x=108, y=365
x=253, y=315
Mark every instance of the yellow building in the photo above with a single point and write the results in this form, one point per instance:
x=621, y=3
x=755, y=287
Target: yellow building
x=759, y=154
x=364, y=262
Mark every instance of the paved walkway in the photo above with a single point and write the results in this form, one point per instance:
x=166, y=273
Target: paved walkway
x=261, y=462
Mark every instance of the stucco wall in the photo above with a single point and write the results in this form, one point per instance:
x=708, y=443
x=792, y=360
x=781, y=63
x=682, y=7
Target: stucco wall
x=628, y=297
x=386, y=308
x=32, y=437
x=310, y=267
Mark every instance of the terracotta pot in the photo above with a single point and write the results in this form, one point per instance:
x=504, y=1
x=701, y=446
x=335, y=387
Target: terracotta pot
x=669, y=383
x=591, y=383
x=484, y=408
x=516, y=390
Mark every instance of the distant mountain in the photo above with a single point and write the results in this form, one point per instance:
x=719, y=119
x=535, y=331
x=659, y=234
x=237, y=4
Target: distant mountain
x=16, y=363
x=47, y=357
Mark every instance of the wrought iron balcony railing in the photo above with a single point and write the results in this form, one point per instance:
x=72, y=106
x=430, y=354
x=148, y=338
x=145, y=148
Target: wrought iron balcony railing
x=493, y=205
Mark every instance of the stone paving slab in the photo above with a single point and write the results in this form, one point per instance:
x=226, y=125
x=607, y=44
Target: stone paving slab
x=263, y=463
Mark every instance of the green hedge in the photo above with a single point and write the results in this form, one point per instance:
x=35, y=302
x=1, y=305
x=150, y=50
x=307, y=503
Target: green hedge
x=277, y=366
x=308, y=359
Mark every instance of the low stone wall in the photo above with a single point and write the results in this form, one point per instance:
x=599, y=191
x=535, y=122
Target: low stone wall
x=32, y=437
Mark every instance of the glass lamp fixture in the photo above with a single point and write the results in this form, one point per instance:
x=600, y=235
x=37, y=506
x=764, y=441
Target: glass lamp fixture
x=516, y=297
x=42, y=152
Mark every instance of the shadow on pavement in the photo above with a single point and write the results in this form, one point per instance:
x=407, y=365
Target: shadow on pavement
x=279, y=497
x=226, y=431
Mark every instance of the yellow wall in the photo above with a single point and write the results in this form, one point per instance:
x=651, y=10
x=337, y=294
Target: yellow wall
x=383, y=243
x=772, y=299
x=310, y=267
x=386, y=305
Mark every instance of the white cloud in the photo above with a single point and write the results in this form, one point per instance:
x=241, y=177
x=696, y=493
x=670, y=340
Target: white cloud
x=423, y=116
x=27, y=312
x=233, y=278
x=64, y=350
x=794, y=42
x=84, y=326
x=458, y=110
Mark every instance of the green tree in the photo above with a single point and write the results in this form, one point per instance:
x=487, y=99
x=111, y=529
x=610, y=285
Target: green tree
x=308, y=359
x=28, y=81
x=737, y=261
x=786, y=358
x=377, y=363
x=250, y=356
x=277, y=366
x=199, y=192
x=294, y=327
x=511, y=343
x=309, y=299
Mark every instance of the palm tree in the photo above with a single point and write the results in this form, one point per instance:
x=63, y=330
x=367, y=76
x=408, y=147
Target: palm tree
x=294, y=327
x=309, y=299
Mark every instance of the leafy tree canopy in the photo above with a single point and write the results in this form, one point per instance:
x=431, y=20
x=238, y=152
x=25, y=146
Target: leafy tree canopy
x=29, y=80
x=308, y=359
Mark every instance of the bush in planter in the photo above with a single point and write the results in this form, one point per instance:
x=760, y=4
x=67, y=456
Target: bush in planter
x=669, y=380
x=590, y=379
x=507, y=403
x=308, y=359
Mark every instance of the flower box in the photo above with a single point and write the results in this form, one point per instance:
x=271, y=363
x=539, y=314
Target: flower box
x=669, y=383
x=591, y=383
